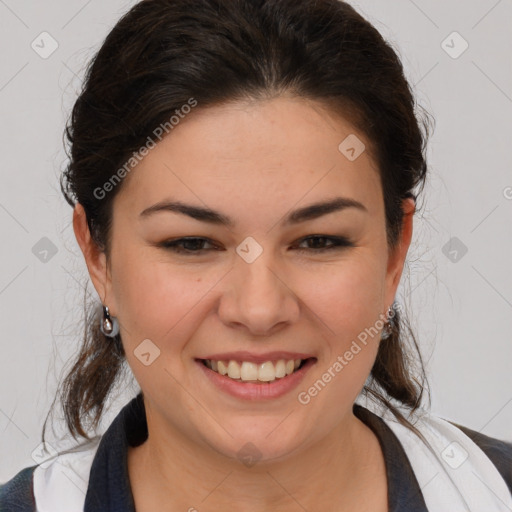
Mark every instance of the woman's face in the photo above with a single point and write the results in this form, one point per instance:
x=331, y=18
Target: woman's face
x=255, y=285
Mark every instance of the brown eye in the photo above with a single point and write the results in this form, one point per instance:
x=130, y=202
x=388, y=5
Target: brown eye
x=319, y=243
x=187, y=245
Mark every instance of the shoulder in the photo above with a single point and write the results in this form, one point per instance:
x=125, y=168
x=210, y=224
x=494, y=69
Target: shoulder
x=62, y=479
x=17, y=495
x=469, y=467
x=500, y=452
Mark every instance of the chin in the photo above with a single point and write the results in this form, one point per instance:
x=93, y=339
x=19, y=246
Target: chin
x=253, y=445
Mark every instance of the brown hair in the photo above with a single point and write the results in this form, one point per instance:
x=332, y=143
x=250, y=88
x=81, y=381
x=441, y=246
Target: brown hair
x=161, y=54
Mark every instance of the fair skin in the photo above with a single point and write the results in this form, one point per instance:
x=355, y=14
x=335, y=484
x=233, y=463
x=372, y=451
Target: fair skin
x=255, y=163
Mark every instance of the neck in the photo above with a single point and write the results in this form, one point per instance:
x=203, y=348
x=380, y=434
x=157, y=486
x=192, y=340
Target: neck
x=333, y=474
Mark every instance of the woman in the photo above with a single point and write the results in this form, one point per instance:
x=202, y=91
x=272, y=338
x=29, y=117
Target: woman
x=244, y=177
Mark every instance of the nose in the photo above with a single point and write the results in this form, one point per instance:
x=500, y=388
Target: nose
x=257, y=298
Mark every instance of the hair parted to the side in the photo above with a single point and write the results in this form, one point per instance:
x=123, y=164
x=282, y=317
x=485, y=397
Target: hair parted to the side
x=160, y=54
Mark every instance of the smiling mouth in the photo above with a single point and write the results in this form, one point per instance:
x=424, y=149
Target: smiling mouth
x=244, y=371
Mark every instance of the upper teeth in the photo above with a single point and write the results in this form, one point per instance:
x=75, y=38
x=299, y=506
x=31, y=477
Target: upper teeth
x=265, y=372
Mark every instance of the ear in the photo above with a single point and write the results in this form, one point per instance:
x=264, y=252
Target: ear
x=95, y=259
x=397, y=256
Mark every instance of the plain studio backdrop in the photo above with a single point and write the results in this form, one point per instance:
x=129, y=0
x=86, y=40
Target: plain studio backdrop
x=457, y=284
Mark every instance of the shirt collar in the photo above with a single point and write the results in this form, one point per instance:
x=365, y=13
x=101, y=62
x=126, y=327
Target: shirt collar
x=404, y=493
x=109, y=485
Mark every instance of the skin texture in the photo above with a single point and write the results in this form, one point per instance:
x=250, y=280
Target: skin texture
x=254, y=162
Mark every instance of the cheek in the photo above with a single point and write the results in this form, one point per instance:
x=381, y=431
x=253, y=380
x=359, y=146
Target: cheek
x=348, y=302
x=346, y=296
x=157, y=299
x=164, y=301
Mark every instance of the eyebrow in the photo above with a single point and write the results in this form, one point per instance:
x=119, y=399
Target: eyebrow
x=310, y=212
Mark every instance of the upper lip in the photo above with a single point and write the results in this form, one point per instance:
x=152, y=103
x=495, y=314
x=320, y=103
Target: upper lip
x=257, y=358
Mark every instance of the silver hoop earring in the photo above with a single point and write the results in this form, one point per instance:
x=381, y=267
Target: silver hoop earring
x=388, y=328
x=109, y=325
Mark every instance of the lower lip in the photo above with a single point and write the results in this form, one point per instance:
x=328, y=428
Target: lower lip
x=256, y=391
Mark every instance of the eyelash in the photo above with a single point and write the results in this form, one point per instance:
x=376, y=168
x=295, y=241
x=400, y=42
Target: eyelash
x=337, y=242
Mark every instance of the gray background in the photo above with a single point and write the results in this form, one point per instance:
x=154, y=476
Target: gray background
x=461, y=303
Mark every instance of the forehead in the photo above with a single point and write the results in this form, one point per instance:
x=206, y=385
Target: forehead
x=259, y=153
